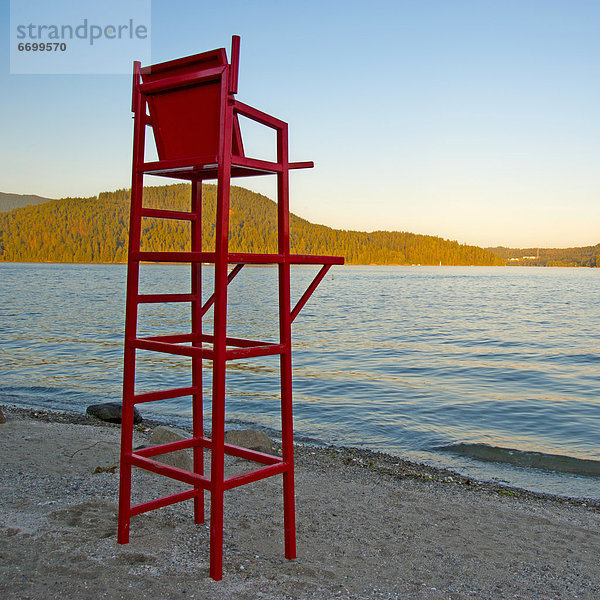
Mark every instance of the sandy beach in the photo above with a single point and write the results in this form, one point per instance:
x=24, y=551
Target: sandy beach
x=369, y=526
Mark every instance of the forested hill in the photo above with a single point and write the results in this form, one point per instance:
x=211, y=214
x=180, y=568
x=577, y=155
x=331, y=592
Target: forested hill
x=11, y=201
x=95, y=230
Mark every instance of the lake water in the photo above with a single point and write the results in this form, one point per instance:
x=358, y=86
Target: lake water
x=493, y=372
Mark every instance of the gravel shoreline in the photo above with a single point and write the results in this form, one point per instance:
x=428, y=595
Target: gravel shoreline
x=370, y=525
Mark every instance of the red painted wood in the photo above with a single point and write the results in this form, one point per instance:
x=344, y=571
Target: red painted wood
x=154, y=298
x=159, y=468
x=206, y=306
x=162, y=502
x=164, y=394
x=238, y=257
x=165, y=448
x=256, y=475
x=196, y=323
x=168, y=214
x=194, y=118
x=235, y=64
x=309, y=291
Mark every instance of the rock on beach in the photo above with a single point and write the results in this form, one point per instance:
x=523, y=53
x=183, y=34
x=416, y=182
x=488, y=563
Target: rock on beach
x=251, y=439
x=182, y=459
x=111, y=412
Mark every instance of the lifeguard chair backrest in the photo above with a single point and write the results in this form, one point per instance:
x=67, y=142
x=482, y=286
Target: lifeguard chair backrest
x=187, y=120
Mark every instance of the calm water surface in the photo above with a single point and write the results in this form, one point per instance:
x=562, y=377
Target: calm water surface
x=444, y=365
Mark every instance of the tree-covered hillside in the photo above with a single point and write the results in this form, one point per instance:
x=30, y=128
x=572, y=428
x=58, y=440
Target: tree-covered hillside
x=95, y=230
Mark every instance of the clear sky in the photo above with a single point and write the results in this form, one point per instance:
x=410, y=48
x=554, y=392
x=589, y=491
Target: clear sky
x=475, y=120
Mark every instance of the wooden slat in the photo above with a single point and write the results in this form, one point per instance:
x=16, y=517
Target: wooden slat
x=166, y=348
x=157, y=213
x=138, y=509
x=184, y=80
x=166, y=448
x=164, y=394
x=153, y=298
x=266, y=350
x=173, y=472
x=256, y=475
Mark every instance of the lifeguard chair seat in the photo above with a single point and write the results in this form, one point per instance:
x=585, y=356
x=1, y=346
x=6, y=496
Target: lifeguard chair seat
x=186, y=119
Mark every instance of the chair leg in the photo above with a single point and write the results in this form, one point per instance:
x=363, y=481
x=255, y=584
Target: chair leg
x=124, y=504
x=124, y=518
x=289, y=501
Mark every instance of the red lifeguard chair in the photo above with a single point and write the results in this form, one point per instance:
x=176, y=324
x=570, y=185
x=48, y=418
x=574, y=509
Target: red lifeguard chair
x=189, y=104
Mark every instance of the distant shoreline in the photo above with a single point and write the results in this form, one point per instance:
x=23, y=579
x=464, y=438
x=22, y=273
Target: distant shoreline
x=50, y=262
